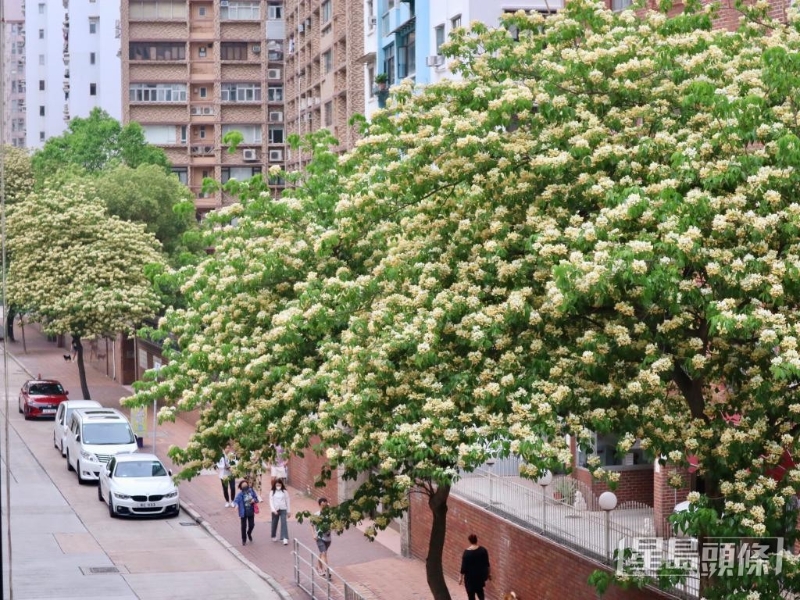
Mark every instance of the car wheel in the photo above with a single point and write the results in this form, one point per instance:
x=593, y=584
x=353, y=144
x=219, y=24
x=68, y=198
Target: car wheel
x=111, y=512
x=81, y=480
x=25, y=413
x=174, y=514
x=19, y=407
x=62, y=448
x=69, y=464
x=99, y=492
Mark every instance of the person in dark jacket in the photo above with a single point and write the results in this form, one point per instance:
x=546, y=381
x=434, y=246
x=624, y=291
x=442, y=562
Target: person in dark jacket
x=246, y=501
x=475, y=569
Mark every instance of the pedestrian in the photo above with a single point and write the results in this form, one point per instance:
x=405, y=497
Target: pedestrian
x=321, y=525
x=226, y=476
x=279, y=505
x=74, y=348
x=475, y=569
x=247, y=502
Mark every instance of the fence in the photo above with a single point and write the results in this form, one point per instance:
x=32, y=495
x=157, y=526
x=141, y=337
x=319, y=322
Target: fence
x=565, y=511
x=327, y=586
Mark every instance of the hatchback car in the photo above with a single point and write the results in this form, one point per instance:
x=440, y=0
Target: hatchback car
x=138, y=485
x=61, y=425
x=40, y=398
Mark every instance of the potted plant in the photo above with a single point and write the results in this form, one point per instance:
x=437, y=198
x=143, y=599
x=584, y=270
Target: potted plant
x=564, y=490
x=382, y=81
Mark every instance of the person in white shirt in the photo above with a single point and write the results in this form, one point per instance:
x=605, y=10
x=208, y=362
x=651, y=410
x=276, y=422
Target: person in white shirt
x=226, y=476
x=279, y=504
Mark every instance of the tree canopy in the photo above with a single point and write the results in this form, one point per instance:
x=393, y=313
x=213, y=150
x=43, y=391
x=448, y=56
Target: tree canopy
x=594, y=229
x=19, y=181
x=91, y=144
x=78, y=271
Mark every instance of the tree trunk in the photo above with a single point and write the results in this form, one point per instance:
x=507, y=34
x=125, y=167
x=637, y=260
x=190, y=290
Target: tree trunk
x=81, y=368
x=9, y=317
x=434, y=570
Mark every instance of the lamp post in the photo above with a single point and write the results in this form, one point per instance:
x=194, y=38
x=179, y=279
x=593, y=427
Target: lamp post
x=608, y=502
x=545, y=480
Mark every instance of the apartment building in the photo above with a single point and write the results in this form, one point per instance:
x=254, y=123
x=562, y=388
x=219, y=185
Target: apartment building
x=324, y=70
x=14, y=74
x=194, y=70
x=72, y=63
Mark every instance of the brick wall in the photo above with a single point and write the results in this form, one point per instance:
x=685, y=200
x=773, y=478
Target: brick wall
x=304, y=473
x=533, y=567
x=635, y=485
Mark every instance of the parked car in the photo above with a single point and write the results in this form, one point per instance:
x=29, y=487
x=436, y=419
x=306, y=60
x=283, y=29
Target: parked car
x=138, y=485
x=95, y=435
x=40, y=398
x=61, y=425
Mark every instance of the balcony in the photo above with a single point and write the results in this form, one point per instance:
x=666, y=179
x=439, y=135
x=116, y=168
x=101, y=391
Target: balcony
x=201, y=31
x=202, y=150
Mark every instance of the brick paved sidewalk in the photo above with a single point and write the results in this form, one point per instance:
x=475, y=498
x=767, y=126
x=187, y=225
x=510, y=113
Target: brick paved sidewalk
x=374, y=568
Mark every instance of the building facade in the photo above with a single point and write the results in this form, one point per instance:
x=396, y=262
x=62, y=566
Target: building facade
x=195, y=70
x=72, y=64
x=14, y=74
x=324, y=74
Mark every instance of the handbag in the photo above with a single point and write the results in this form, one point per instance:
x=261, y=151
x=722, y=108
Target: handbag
x=255, y=508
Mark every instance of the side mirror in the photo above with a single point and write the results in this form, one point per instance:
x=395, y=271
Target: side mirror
x=169, y=472
x=108, y=473
x=78, y=437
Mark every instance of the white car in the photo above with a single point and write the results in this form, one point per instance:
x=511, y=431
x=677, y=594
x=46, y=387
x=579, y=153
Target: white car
x=138, y=485
x=62, y=420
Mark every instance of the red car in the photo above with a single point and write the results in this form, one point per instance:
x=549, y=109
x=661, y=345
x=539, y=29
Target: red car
x=41, y=397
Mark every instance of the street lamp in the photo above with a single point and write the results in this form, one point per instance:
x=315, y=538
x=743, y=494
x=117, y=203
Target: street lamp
x=608, y=502
x=545, y=480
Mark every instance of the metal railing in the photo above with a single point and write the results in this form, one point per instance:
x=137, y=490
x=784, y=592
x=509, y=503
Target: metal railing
x=320, y=586
x=565, y=511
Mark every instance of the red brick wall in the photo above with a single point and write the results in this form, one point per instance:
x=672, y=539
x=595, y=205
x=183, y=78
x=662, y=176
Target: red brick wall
x=634, y=485
x=533, y=567
x=666, y=497
x=305, y=472
x=727, y=16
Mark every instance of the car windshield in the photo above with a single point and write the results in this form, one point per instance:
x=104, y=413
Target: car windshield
x=140, y=468
x=107, y=433
x=46, y=389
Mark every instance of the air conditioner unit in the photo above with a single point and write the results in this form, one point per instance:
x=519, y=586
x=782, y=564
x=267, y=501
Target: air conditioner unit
x=436, y=60
x=223, y=3
x=195, y=110
x=301, y=28
x=275, y=155
x=208, y=110
x=273, y=73
x=373, y=21
x=276, y=117
x=256, y=49
x=249, y=154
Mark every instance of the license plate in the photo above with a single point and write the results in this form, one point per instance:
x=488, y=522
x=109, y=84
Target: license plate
x=49, y=411
x=146, y=505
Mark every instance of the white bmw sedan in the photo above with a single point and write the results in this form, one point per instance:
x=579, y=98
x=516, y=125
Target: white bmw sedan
x=138, y=485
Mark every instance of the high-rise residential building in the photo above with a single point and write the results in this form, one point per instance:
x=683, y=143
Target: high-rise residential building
x=195, y=70
x=324, y=70
x=14, y=73
x=72, y=63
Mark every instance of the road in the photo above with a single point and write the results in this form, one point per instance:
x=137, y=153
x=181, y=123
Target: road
x=64, y=544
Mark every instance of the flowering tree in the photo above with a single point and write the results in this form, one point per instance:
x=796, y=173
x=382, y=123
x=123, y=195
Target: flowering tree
x=593, y=230
x=77, y=270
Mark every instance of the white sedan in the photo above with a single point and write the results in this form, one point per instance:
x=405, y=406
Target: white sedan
x=138, y=485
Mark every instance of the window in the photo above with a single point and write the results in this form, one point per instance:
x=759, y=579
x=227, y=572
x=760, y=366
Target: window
x=327, y=61
x=274, y=12
x=93, y=24
x=239, y=173
x=251, y=134
x=41, y=133
x=408, y=59
x=233, y=51
x=388, y=62
x=240, y=11
x=182, y=173
x=93, y=89
x=370, y=79
x=438, y=34
x=202, y=52
x=326, y=12
x=275, y=93
x=328, y=114
x=201, y=11
x=275, y=134
x=202, y=132
x=41, y=8
x=41, y=111
x=41, y=60
x=41, y=34
x=455, y=22
x=241, y=92
x=41, y=85
x=618, y=5
x=157, y=92
x=156, y=51
x=157, y=9
x=203, y=92
x=162, y=134
x=92, y=58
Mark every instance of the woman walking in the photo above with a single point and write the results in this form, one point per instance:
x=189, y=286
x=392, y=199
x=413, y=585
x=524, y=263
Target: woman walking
x=279, y=504
x=247, y=502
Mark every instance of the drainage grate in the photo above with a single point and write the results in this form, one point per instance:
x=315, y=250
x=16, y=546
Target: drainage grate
x=189, y=524
x=99, y=570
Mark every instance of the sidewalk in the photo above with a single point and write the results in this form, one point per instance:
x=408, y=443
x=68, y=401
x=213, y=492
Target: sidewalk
x=375, y=569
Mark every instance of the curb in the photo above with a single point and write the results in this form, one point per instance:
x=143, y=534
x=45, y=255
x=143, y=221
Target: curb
x=197, y=518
